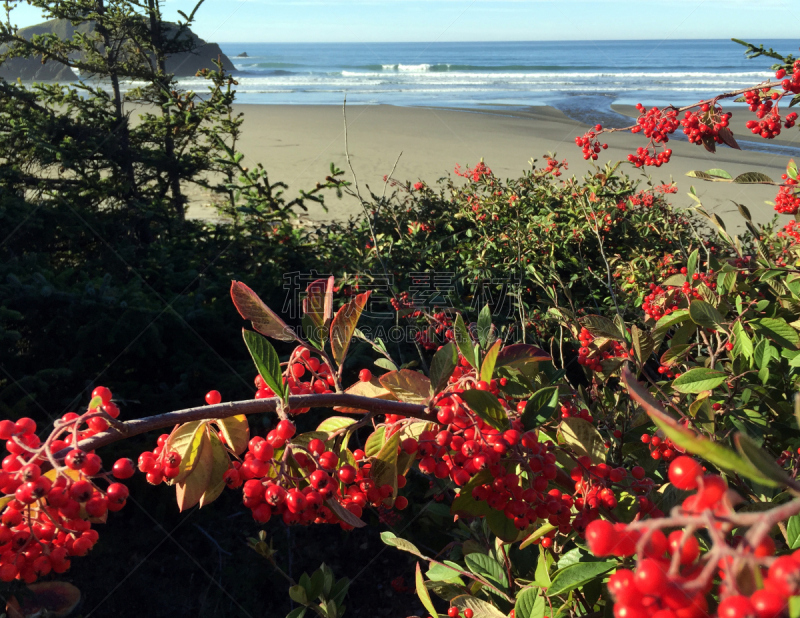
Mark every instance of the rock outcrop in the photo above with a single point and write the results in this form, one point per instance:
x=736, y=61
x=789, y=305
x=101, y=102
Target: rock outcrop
x=184, y=64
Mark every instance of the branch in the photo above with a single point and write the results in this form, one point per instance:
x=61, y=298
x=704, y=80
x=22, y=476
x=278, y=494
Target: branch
x=139, y=426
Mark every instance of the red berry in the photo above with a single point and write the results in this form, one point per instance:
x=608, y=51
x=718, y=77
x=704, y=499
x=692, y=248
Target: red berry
x=103, y=393
x=690, y=550
x=736, y=606
x=213, y=398
x=365, y=375
x=768, y=604
x=684, y=471
x=650, y=576
x=285, y=429
x=600, y=537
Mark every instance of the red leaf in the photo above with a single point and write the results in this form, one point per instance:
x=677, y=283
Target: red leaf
x=318, y=305
x=727, y=136
x=264, y=319
x=344, y=324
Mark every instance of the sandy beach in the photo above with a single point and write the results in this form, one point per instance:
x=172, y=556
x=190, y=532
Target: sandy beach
x=296, y=144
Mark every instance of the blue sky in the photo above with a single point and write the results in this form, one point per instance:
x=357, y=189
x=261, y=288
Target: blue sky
x=481, y=20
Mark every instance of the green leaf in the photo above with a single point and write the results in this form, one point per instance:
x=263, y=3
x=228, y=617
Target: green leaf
x=518, y=355
x=777, y=330
x=264, y=319
x=196, y=482
x=444, y=590
x=719, y=173
x=236, y=431
x=501, y=526
x=674, y=355
x=676, y=317
x=221, y=462
x=374, y=442
x=464, y=504
x=688, y=440
x=643, y=343
x=297, y=612
x=599, y=326
x=444, y=573
x=753, y=178
x=343, y=514
x=537, y=534
x=186, y=441
x=794, y=601
x=706, y=315
x=298, y=595
x=384, y=466
x=484, y=326
x=407, y=385
x=480, y=609
x=691, y=264
x=486, y=405
x=344, y=324
x=422, y=592
x=699, y=174
x=487, y=567
x=761, y=460
x=540, y=407
x=698, y=380
x=443, y=364
x=676, y=280
x=583, y=437
x=266, y=360
x=335, y=423
x=464, y=341
x=390, y=538
x=793, y=532
x=577, y=575
x=487, y=368
x=742, y=345
x=530, y=604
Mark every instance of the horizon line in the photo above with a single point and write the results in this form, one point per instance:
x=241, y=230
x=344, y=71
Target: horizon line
x=473, y=41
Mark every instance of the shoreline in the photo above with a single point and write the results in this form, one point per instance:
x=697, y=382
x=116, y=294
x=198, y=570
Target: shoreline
x=297, y=143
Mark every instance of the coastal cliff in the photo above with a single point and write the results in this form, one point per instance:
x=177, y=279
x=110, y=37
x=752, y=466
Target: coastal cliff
x=184, y=64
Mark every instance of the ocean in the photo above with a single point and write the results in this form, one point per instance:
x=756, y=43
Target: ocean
x=579, y=77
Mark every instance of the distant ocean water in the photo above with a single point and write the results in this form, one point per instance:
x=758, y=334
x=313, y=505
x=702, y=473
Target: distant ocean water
x=579, y=77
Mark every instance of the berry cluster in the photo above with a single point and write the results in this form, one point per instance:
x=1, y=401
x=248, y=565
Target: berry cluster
x=403, y=301
x=52, y=499
x=707, y=125
x=769, y=120
x=660, y=302
x=657, y=125
x=660, y=448
x=595, y=484
x=302, y=364
x=671, y=577
x=439, y=330
x=592, y=357
x=590, y=144
x=569, y=409
x=273, y=485
x=787, y=202
x=554, y=167
x=475, y=174
x=790, y=84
